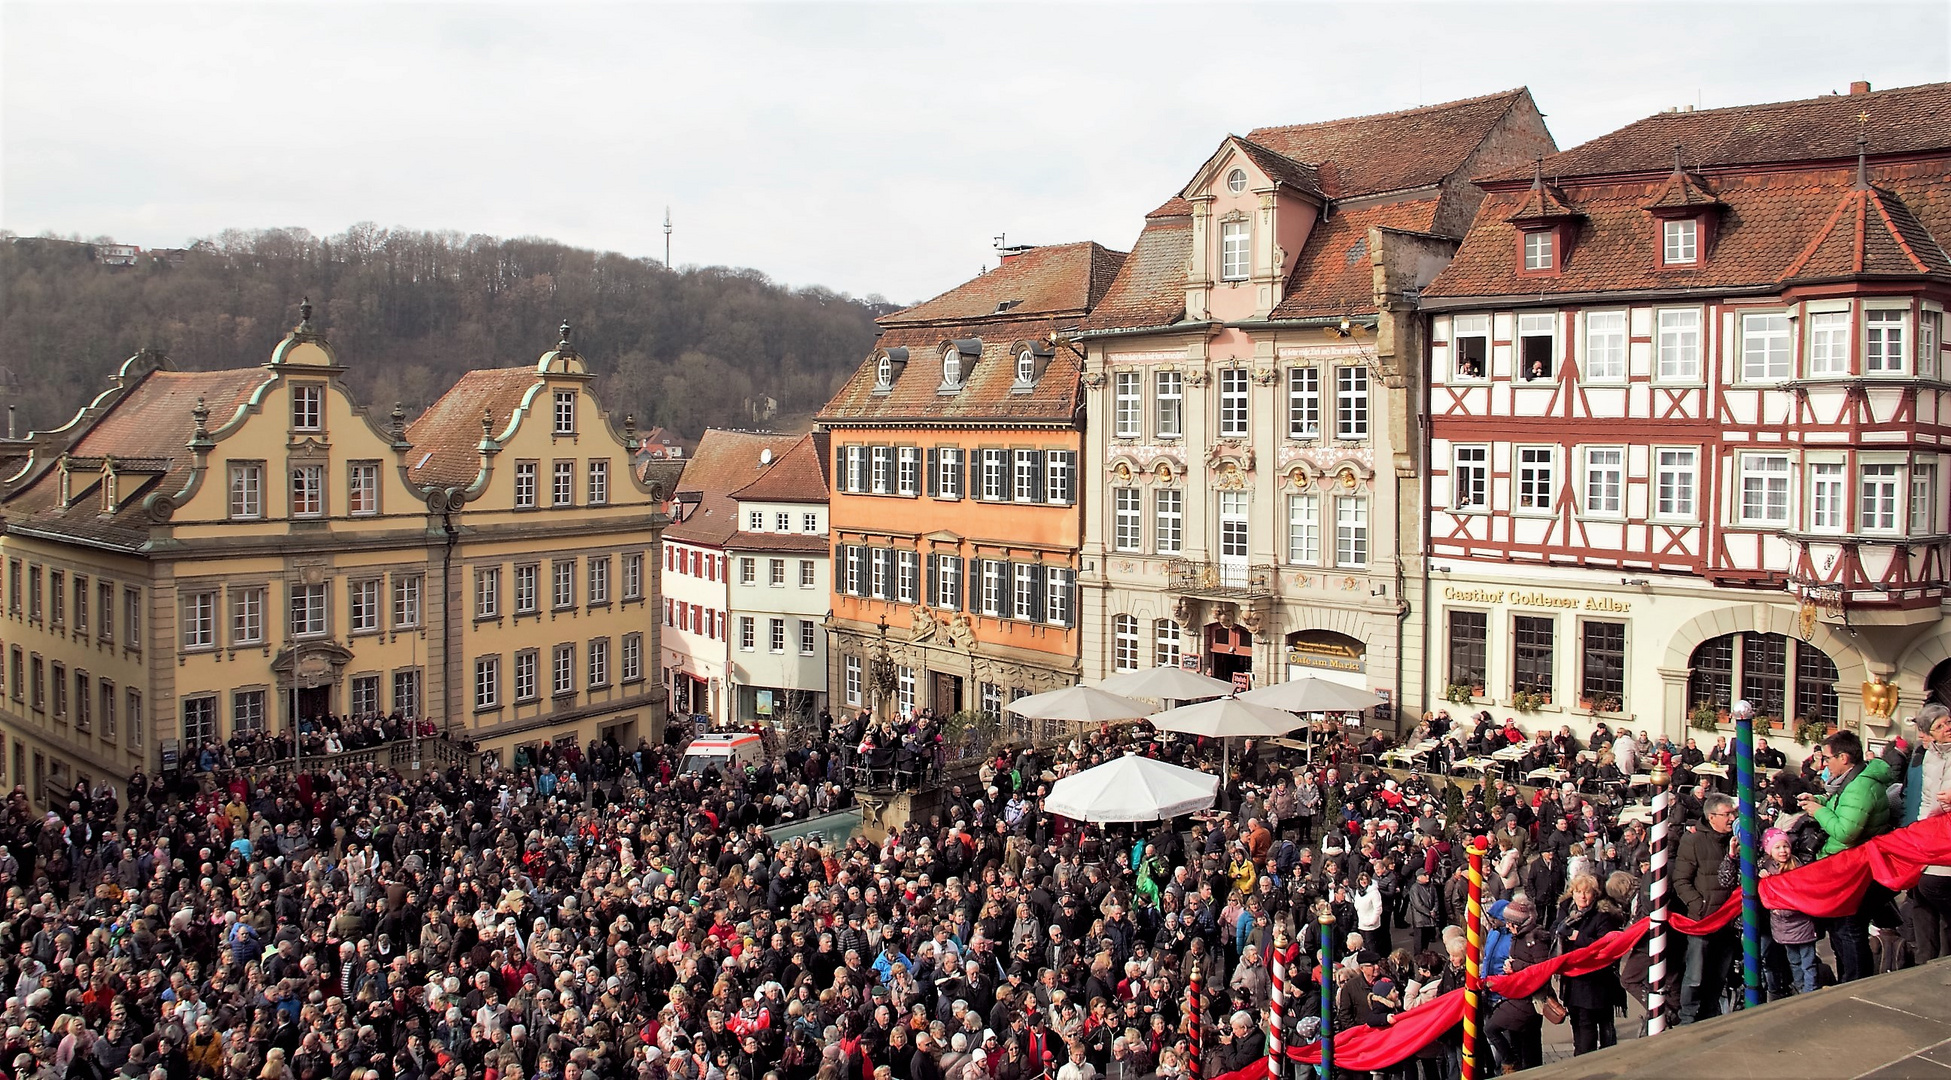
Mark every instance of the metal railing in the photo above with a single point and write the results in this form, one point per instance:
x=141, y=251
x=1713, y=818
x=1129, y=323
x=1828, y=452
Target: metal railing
x=1225, y=580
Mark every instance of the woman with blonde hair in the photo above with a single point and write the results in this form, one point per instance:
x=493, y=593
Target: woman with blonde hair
x=274, y=1065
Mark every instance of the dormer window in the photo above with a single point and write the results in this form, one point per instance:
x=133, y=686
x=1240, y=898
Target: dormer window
x=1025, y=368
x=951, y=368
x=1236, y=181
x=1539, y=250
x=1681, y=241
x=883, y=373
x=1234, y=247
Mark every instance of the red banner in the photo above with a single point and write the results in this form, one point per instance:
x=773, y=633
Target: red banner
x=1825, y=889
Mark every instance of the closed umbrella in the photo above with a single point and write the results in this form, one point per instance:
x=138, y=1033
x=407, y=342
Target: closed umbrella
x=1311, y=695
x=1132, y=788
x=1160, y=683
x=1080, y=703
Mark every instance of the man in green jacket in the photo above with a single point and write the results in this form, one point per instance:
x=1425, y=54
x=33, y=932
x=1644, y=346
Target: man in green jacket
x=1854, y=810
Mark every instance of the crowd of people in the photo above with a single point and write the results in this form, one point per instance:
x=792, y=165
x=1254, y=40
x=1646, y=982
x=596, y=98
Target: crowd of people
x=318, y=736
x=599, y=914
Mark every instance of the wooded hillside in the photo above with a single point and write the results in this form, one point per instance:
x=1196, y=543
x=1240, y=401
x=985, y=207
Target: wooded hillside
x=409, y=311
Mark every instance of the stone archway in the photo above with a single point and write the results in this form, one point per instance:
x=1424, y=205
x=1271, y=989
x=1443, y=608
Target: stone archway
x=1851, y=671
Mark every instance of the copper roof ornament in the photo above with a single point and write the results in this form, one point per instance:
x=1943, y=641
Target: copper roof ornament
x=305, y=316
x=563, y=344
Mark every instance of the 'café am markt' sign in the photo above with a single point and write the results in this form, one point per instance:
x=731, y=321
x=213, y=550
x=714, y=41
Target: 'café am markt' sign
x=1328, y=651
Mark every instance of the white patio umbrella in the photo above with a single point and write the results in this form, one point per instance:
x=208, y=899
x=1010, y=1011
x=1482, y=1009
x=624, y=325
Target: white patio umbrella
x=1311, y=695
x=1160, y=683
x=1132, y=788
x=1080, y=703
x=1226, y=718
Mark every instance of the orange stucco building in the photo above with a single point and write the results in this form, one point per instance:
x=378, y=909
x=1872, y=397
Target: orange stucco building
x=955, y=509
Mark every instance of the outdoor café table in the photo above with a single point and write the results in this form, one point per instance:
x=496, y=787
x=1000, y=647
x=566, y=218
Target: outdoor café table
x=1552, y=773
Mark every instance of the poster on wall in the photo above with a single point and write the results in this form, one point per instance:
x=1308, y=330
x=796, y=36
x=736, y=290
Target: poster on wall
x=764, y=702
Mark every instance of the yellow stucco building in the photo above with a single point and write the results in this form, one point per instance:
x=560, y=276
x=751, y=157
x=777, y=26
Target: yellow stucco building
x=203, y=552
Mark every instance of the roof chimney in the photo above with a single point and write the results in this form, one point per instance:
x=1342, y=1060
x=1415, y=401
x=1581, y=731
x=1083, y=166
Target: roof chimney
x=1860, y=86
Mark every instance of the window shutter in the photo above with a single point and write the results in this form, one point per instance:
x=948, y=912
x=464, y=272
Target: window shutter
x=929, y=589
x=934, y=460
x=840, y=467
x=969, y=471
x=1070, y=596
x=1036, y=593
x=962, y=591
x=1037, y=466
x=1069, y=460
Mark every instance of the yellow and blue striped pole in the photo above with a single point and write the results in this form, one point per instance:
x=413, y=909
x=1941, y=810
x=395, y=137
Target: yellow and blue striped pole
x=1473, y=956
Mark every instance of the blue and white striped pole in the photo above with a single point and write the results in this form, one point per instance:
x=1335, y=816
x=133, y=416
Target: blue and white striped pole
x=1744, y=790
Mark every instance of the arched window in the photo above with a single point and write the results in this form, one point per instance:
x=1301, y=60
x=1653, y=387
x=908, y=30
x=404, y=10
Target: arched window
x=1025, y=368
x=951, y=366
x=884, y=372
x=1124, y=643
x=1783, y=678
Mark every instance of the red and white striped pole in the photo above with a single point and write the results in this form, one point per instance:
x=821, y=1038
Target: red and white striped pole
x=1194, y=1009
x=1276, y=1010
x=1661, y=780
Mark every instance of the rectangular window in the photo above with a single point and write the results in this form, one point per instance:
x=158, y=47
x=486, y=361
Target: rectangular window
x=1923, y=499
x=599, y=662
x=948, y=484
x=1124, y=643
x=1128, y=409
x=362, y=488
x=34, y=605
x=1470, y=341
x=1681, y=238
x=880, y=571
x=525, y=485
x=748, y=570
x=1059, y=588
x=1531, y=647
x=632, y=660
x=1827, y=492
x=1537, y=468
x=1930, y=333
x=1883, y=342
x=199, y=720
x=1351, y=531
x=1602, y=664
x=904, y=690
x=1165, y=643
x=1168, y=523
x=528, y=581
x=599, y=482
x=1028, y=487
x=809, y=523
x=37, y=691
x=1537, y=249
x=881, y=473
x=1060, y=477
x=526, y=687
x=1127, y=529
x=1829, y=343
x=1470, y=478
x=308, y=491
x=363, y=609
x=1024, y=590
x=562, y=490
x=562, y=671
x=1351, y=403
x=365, y=695
x=85, y=702
x=1304, y=403
x=406, y=600
x=599, y=579
x=995, y=476
x=853, y=680
x=308, y=617
x=1605, y=345
x=1537, y=346
x=776, y=635
x=107, y=690
x=57, y=594
x=807, y=574
x=991, y=698
x=1877, y=498
x=17, y=677
x=1605, y=480
x=58, y=678
x=808, y=637
x=487, y=679
x=1469, y=648
x=1304, y=529
x=247, y=616
x=134, y=702
x=633, y=575
x=105, y=596
x=994, y=585
x=565, y=412
x=1765, y=347
x=748, y=633
x=563, y=578
x=132, y=617
x=907, y=576
x=1169, y=400
x=406, y=693
x=246, y=490
x=307, y=407
x=1674, y=482
x=1764, y=489
x=1679, y=345
x=200, y=620
x=948, y=582
x=1235, y=253
x=907, y=472
x=487, y=593
x=1232, y=402
x=81, y=607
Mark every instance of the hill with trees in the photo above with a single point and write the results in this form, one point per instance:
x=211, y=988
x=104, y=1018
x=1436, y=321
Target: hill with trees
x=408, y=312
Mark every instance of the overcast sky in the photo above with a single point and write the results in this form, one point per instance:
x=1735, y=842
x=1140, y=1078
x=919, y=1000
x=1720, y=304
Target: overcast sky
x=868, y=148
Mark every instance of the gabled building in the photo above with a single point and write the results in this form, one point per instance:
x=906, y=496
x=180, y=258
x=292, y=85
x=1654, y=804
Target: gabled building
x=781, y=574
x=698, y=630
x=955, y=512
x=1688, y=407
x=200, y=553
x=1254, y=378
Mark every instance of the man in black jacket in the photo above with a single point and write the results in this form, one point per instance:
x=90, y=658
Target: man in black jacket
x=1696, y=885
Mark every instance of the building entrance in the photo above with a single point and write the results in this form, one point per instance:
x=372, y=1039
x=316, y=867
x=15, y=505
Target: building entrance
x=1229, y=651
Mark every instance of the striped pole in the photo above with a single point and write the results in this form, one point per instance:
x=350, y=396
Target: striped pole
x=1276, y=1010
x=1327, y=995
x=1659, y=778
x=1473, y=956
x=1744, y=826
x=1192, y=1019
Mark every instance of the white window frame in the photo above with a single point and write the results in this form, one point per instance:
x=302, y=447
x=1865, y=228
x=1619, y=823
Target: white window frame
x=528, y=682
x=487, y=592
x=307, y=407
x=1166, y=643
x=1058, y=595
x=528, y=588
x=907, y=471
x=246, y=490
x=1128, y=519
x=1168, y=520
x=525, y=477
x=1470, y=479
x=362, y=606
x=1303, y=403
x=1124, y=643
x=1680, y=241
x=808, y=574
x=1886, y=341
x=748, y=633
x=1677, y=341
x=1923, y=498
x=776, y=636
x=852, y=681
x=1829, y=341
x=1473, y=328
x=1351, y=402
x=599, y=482
x=1351, y=531
x=1828, y=510
x=599, y=580
x=1767, y=353
x=310, y=614
x=1764, y=491
x=1605, y=481
x=200, y=620
x=995, y=587
x=599, y=662
x=809, y=639
x=1235, y=250
x=1540, y=251
x=1608, y=346
x=362, y=489
x=907, y=576
x=562, y=488
x=881, y=469
x=308, y=491
x=1168, y=403
x=247, y=615
x=1233, y=402
x=1304, y=529
x=407, y=591
x=1127, y=397
x=562, y=584
x=630, y=666
x=948, y=481
x=1026, y=474
x=1879, y=496
x=1680, y=500
x=1534, y=488
x=565, y=412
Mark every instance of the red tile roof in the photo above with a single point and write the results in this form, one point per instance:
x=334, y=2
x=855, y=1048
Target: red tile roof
x=1058, y=279
x=1333, y=275
x=800, y=475
x=1281, y=169
x=1392, y=151
x=988, y=393
x=1150, y=290
x=447, y=437
x=712, y=522
x=764, y=541
x=1541, y=204
x=1905, y=120
x=1863, y=237
x=729, y=460
x=1683, y=191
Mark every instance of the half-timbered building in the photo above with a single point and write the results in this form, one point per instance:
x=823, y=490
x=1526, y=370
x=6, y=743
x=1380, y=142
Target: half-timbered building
x=1687, y=409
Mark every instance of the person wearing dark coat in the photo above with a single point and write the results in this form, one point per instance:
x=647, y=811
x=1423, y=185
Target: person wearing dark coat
x=1590, y=999
x=1696, y=885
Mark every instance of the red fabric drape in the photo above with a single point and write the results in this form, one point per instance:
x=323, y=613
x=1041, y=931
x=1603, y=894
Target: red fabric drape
x=1826, y=888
